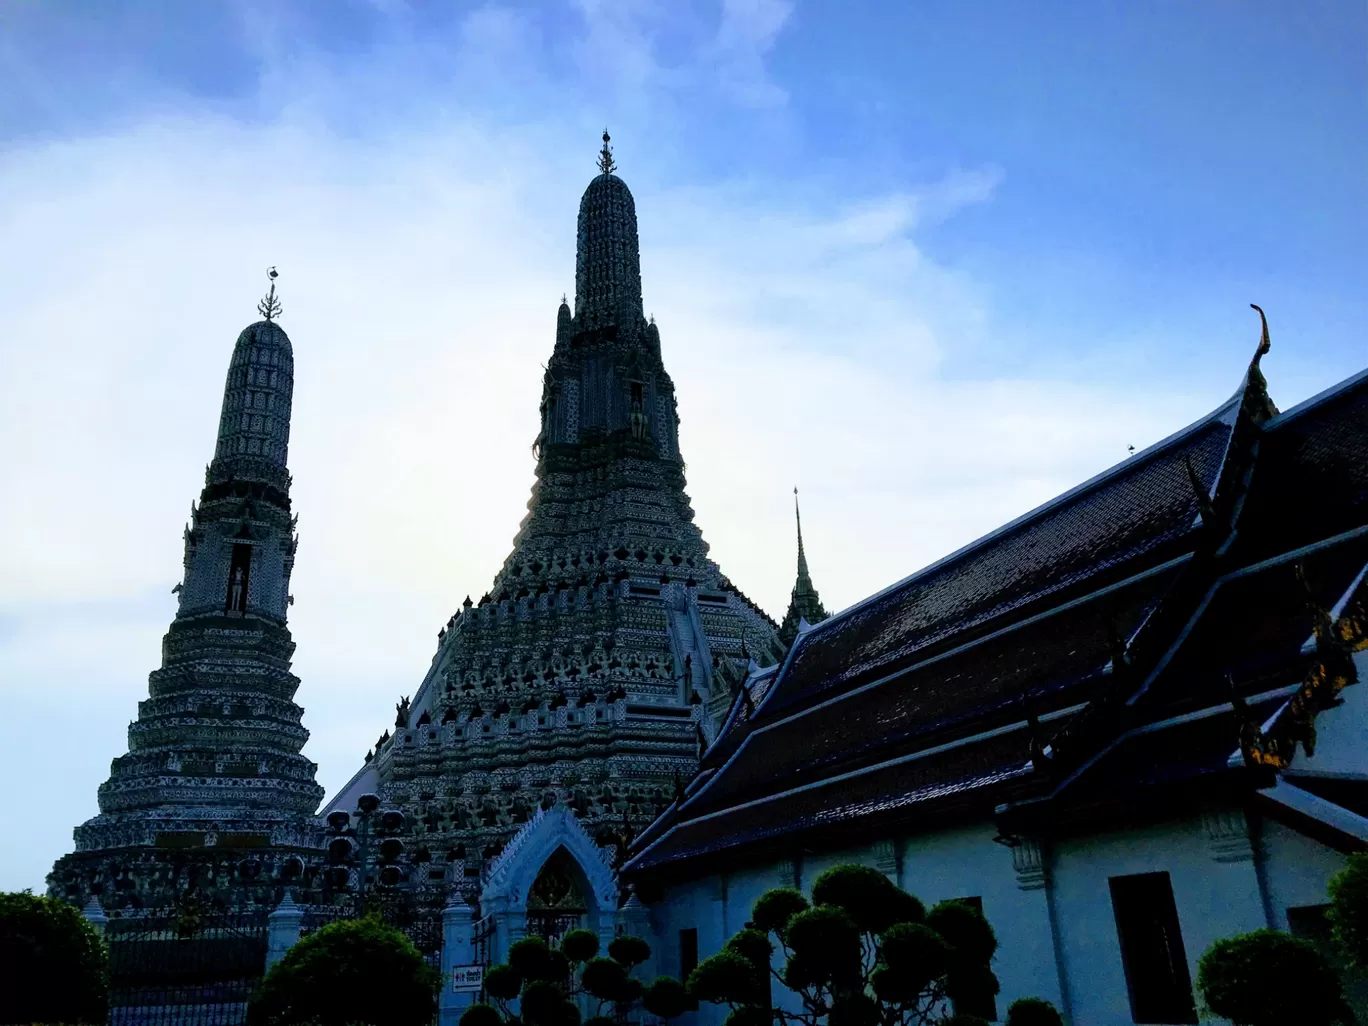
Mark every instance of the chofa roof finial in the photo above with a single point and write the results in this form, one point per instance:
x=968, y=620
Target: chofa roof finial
x=269, y=307
x=605, y=161
x=1264, y=344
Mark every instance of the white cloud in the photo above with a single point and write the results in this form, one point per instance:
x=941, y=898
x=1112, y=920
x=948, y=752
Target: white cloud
x=420, y=281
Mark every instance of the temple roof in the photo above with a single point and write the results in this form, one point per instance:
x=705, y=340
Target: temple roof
x=1033, y=665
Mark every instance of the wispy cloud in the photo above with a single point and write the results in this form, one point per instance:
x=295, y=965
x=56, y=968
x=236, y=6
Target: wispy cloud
x=425, y=235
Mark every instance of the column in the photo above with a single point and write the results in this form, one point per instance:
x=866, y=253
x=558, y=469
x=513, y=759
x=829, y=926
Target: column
x=634, y=918
x=282, y=929
x=458, y=953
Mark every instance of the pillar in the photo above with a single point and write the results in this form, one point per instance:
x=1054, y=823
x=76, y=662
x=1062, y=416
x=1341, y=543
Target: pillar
x=282, y=929
x=634, y=918
x=458, y=954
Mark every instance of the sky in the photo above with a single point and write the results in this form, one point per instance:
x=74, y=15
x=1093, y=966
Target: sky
x=931, y=263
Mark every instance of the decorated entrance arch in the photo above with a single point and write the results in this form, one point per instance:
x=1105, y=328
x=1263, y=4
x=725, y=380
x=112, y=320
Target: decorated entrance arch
x=550, y=878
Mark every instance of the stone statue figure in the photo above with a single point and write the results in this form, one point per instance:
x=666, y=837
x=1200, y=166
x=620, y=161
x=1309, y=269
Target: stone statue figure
x=401, y=710
x=637, y=419
x=235, y=591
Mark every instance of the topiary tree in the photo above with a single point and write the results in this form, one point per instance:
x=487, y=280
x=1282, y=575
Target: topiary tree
x=862, y=952
x=1349, y=910
x=1032, y=1011
x=351, y=971
x=1270, y=978
x=549, y=983
x=54, y=960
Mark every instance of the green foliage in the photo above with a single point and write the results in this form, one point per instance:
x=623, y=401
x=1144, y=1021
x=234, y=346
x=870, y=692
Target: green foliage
x=870, y=899
x=725, y=978
x=666, y=998
x=1032, y=1011
x=628, y=950
x=316, y=981
x=54, y=960
x=913, y=955
x=1349, y=910
x=502, y=982
x=541, y=1003
x=754, y=946
x=1270, y=978
x=855, y=1008
x=863, y=952
x=547, y=981
x=748, y=1015
x=604, y=978
x=773, y=910
x=580, y=945
x=826, y=948
x=530, y=958
x=481, y=1014
x=965, y=930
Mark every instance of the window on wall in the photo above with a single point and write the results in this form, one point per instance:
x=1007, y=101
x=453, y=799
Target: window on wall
x=1152, y=953
x=688, y=956
x=982, y=1005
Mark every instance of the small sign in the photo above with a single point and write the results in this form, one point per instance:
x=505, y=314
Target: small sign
x=466, y=979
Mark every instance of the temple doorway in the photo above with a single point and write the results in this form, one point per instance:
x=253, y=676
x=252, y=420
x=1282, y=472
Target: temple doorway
x=555, y=904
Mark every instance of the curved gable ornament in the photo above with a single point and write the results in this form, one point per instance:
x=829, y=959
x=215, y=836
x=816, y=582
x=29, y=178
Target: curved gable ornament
x=510, y=876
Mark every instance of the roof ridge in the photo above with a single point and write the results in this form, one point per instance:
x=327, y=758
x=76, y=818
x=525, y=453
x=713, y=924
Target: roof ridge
x=1225, y=411
x=1317, y=400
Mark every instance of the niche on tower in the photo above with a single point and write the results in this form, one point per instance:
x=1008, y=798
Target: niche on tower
x=636, y=403
x=239, y=574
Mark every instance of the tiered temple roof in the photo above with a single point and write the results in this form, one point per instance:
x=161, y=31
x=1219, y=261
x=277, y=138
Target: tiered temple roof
x=1118, y=646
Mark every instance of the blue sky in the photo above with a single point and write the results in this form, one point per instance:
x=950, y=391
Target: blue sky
x=932, y=262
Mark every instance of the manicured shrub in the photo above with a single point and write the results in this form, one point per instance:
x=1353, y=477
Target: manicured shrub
x=1349, y=910
x=318, y=982
x=862, y=952
x=1033, y=1012
x=54, y=963
x=1270, y=978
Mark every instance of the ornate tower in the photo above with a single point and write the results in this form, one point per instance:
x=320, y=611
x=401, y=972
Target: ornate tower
x=804, y=604
x=213, y=768
x=587, y=672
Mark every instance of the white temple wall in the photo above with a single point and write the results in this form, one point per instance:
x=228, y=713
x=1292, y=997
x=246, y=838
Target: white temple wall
x=1214, y=899
x=1297, y=869
x=1209, y=860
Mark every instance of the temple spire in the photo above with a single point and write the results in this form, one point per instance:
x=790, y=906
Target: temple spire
x=605, y=160
x=804, y=606
x=269, y=307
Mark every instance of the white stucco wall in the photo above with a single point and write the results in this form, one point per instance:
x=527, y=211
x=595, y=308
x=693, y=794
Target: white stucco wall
x=1213, y=872
x=1298, y=870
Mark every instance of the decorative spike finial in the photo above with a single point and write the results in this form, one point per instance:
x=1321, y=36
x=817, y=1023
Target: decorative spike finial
x=1264, y=344
x=1258, y=406
x=605, y=161
x=269, y=307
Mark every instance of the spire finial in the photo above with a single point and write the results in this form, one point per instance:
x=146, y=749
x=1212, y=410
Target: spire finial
x=1264, y=344
x=269, y=307
x=605, y=161
x=798, y=518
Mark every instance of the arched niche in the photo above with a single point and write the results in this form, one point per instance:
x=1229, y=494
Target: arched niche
x=554, y=840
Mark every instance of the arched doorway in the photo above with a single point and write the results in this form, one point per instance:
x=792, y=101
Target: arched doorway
x=555, y=903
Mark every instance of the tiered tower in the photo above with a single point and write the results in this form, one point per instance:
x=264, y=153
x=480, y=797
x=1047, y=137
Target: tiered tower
x=593, y=669
x=213, y=792
x=804, y=604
